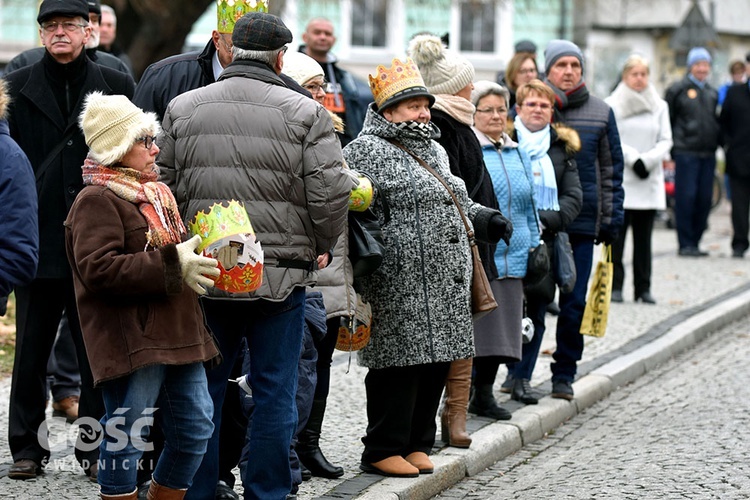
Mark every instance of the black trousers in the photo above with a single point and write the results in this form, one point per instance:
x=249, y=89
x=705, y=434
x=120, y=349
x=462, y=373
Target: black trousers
x=402, y=404
x=39, y=307
x=642, y=222
x=740, y=189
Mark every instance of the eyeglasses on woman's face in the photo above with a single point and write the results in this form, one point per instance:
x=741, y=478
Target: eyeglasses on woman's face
x=147, y=140
x=544, y=106
x=68, y=26
x=493, y=111
x=315, y=87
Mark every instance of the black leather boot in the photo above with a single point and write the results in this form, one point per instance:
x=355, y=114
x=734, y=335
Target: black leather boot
x=308, y=448
x=483, y=403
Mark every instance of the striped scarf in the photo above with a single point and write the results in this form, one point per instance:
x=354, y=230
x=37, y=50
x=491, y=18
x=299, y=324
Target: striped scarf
x=154, y=199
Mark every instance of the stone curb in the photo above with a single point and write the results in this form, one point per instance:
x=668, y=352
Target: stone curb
x=498, y=440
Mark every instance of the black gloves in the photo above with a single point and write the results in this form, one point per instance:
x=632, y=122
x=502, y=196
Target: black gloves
x=502, y=226
x=640, y=169
x=606, y=237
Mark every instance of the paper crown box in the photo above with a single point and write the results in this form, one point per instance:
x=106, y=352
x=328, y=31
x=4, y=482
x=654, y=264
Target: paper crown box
x=226, y=227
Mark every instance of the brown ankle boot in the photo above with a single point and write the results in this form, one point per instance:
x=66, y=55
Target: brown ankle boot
x=159, y=492
x=125, y=496
x=453, y=419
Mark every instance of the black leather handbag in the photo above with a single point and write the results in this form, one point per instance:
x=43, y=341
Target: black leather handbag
x=366, y=242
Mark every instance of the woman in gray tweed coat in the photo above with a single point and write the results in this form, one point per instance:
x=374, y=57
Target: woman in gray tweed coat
x=420, y=295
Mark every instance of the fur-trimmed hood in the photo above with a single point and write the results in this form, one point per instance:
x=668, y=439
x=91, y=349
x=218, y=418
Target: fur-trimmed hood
x=567, y=135
x=4, y=99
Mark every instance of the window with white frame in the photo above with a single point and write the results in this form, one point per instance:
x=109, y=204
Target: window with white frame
x=478, y=26
x=369, y=23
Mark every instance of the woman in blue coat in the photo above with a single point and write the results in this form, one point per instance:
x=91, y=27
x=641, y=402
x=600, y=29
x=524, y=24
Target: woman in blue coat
x=497, y=336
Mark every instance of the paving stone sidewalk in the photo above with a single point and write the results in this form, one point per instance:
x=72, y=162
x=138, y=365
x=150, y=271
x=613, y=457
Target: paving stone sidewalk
x=694, y=295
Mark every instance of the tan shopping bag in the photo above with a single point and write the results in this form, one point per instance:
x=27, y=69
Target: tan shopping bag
x=597, y=303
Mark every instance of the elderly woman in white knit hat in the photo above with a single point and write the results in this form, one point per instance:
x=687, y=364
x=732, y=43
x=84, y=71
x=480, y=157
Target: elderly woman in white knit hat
x=136, y=286
x=448, y=76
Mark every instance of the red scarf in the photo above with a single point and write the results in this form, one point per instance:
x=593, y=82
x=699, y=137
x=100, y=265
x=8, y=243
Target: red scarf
x=154, y=199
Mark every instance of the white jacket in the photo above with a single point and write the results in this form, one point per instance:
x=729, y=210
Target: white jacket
x=645, y=133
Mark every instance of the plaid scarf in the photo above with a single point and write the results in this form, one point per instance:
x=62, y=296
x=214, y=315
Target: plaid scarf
x=154, y=199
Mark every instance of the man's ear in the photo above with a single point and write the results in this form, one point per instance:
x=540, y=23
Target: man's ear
x=215, y=38
x=279, y=62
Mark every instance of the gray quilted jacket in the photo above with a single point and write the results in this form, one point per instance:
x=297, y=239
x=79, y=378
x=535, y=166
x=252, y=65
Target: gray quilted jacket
x=250, y=138
x=420, y=295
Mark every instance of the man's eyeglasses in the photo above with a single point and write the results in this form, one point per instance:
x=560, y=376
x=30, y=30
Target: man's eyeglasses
x=541, y=105
x=492, y=111
x=147, y=140
x=315, y=87
x=68, y=26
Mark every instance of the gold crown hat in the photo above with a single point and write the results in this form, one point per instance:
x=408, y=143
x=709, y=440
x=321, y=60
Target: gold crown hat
x=401, y=81
x=229, y=11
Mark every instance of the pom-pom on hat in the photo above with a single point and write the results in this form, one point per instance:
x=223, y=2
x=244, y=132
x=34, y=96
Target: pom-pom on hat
x=65, y=8
x=698, y=54
x=443, y=71
x=111, y=124
x=561, y=48
x=229, y=11
x=401, y=81
x=260, y=31
x=301, y=67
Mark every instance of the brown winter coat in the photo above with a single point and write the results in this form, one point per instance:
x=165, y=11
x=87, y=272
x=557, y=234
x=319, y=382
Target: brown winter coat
x=134, y=308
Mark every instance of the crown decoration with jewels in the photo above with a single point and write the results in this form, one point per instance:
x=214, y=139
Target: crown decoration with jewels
x=229, y=11
x=228, y=225
x=401, y=81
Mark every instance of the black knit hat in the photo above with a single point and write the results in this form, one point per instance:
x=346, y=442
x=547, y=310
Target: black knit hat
x=260, y=31
x=95, y=6
x=66, y=8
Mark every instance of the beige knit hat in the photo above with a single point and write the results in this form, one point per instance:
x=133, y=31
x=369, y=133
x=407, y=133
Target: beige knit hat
x=111, y=124
x=300, y=67
x=443, y=71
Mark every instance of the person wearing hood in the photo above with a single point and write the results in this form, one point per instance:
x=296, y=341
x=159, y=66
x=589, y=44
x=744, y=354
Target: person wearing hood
x=420, y=295
x=646, y=136
x=600, y=166
x=448, y=76
x=695, y=132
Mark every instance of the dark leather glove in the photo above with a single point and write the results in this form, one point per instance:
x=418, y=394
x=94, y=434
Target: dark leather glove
x=640, y=169
x=502, y=226
x=606, y=237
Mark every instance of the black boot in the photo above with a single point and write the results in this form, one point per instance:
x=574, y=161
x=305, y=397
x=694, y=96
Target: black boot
x=308, y=449
x=483, y=403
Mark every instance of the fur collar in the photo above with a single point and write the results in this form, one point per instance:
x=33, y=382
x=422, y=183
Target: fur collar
x=627, y=102
x=4, y=99
x=568, y=136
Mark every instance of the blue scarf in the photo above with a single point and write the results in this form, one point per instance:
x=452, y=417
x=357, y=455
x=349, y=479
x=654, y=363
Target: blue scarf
x=536, y=144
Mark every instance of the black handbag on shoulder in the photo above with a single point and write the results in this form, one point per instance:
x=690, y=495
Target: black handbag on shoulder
x=366, y=242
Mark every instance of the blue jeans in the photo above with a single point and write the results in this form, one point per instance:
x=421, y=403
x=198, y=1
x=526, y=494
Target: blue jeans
x=569, y=339
x=274, y=338
x=180, y=396
x=693, y=188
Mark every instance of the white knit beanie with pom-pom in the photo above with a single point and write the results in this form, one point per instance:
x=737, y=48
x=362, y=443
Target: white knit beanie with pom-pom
x=443, y=71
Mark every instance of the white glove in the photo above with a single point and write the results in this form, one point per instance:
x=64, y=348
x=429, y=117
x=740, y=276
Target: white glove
x=194, y=266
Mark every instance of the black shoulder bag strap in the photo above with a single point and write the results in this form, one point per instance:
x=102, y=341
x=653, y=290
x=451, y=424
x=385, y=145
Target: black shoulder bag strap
x=53, y=154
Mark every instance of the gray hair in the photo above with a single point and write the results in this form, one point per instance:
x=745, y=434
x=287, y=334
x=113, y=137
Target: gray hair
x=265, y=56
x=483, y=88
x=110, y=10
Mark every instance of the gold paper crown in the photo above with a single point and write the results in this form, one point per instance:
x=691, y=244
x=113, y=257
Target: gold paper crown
x=229, y=11
x=400, y=77
x=220, y=221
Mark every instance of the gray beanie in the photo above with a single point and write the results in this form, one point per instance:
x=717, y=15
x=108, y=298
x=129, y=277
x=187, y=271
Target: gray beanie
x=560, y=48
x=443, y=71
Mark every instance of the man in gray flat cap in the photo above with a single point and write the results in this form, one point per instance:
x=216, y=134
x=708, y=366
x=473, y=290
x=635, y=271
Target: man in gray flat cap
x=249, y=137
